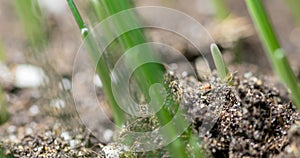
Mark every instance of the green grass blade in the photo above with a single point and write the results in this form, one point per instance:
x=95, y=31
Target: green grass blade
x=30, y=16
x=287, y=75
x=219, y=62
x=272, y=47
x=147, y=74
x=263, y=26
x=102, y=68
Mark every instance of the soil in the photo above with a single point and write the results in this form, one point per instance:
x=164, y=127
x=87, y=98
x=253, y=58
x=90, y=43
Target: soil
x=251, y=119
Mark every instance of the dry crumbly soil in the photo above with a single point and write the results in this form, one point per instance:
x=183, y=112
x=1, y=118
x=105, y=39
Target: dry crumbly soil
x=251, y=118
x=247, y=119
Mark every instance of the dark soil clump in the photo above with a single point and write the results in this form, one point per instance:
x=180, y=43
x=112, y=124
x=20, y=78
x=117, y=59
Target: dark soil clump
x=247, y=119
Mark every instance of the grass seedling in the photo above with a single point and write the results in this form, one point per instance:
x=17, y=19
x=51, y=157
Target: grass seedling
x=220, y=63
x=272, y=47
x=221, y=9
x=294, y=6
x=30, y=16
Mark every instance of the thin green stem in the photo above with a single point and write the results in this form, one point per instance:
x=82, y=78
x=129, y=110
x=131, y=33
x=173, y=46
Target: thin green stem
x=263, y=26
x=102, y=68
x=272, y=47
x=77, y=16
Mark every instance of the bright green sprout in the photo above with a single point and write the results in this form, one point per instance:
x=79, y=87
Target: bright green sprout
x=275, y=54
x=220, y=63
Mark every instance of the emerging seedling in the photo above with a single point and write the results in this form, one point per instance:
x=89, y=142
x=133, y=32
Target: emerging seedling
x=220, y=63
x=275, y=54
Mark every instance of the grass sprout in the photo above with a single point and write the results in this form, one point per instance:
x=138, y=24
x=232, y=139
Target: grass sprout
x=220, y=63
x=274, y=52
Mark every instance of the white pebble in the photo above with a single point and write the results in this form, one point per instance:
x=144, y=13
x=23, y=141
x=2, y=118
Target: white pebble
x=34, y=110
x=73, y=143
x=11, y=129
x=65, y=135
x=58, y=103
x=28, y=131
x=28, y=76
x=107, y=135
x=97, y=81
x=54, y=6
